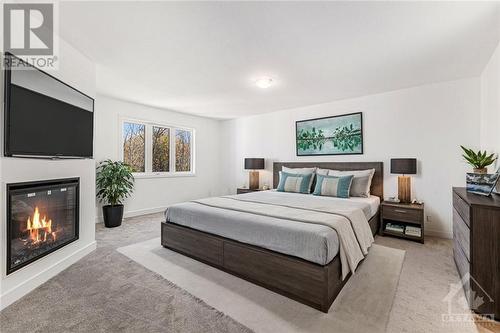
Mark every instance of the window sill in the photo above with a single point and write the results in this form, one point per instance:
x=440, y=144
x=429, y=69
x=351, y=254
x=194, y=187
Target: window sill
x=163, y=175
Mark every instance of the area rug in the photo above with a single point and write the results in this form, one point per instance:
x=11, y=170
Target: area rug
x=363, y=305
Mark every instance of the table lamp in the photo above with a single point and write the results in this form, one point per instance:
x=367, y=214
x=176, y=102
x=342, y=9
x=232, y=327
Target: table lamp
x=404, y=167
x=254, y=164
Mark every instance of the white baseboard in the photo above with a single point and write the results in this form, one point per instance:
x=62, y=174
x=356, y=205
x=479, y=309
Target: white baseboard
x=12, y=295
x=145, y=211
x=138, y=212
x=439, y=233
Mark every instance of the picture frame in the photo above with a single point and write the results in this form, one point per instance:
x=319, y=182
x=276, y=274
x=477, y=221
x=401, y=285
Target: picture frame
x=482, y=183
x=332, y=135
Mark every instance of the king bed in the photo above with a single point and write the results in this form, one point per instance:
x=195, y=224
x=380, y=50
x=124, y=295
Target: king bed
x=292, y=243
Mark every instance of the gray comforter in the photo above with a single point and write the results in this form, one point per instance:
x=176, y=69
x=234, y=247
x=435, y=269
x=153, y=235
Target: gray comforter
x=304, y=226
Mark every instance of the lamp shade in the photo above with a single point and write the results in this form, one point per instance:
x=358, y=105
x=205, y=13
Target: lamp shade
x=407, y=166
x=254, y=163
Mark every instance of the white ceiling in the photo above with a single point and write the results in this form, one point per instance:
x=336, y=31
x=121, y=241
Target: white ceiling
x=202, y=57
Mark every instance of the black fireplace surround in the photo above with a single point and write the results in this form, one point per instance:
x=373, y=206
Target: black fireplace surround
x=42, y=217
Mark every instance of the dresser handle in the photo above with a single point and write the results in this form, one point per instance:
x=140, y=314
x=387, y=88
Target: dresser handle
x=399, y=211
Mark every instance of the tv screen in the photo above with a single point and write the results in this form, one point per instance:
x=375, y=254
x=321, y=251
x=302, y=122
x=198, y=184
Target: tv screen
x=45, y=117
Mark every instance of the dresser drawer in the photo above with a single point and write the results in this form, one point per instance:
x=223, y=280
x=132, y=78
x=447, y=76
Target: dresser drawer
x=462, y=208
x=463, y=265
x=461, y=233
x=402, y=214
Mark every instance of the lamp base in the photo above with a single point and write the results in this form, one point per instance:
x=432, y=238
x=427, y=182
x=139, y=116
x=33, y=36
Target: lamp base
x=253, y=180
x=404, y=189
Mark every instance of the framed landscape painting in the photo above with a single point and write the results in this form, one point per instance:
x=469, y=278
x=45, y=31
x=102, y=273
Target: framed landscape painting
x=337, y=135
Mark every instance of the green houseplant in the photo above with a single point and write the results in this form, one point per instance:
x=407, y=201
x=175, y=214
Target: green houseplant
x=479, y=160
x=114, y=183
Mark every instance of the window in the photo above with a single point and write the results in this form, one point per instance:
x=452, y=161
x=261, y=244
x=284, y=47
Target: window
x=161, y=149
x=156, y=149
x=134, y=140
x=182, y=150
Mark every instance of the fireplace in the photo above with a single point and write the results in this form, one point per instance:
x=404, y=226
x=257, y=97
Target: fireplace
x=42, y=217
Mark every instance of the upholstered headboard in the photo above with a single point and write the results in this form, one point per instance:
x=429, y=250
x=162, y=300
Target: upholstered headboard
x=377, y=181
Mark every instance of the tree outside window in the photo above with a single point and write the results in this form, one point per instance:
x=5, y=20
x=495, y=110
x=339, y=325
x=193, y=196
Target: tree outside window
x=161, y=149
x=182, y=150
x=134, y=146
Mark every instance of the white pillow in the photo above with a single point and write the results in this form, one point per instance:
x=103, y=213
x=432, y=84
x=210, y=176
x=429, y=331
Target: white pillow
x=361, y=182
x=301, y=171
x=323, y=172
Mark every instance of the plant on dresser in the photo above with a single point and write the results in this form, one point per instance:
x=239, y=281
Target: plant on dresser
x=480, y=160
x=476, y=249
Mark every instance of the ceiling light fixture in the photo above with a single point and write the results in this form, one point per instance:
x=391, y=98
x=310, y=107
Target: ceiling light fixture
x=264, y=82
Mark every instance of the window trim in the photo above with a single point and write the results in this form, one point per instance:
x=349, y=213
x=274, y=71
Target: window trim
x=148, y=149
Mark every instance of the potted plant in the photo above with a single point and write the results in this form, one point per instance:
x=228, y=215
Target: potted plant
x=114, y=182
x=479, y=160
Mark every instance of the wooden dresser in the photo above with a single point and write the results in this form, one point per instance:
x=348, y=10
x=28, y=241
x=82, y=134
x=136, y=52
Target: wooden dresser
x=476, y=248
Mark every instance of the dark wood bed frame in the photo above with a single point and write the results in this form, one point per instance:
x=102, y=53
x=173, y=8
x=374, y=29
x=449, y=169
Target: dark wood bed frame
x=306, y=282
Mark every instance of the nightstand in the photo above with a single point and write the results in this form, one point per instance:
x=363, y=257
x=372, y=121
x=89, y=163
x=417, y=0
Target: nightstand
x=405, y=215
x=243, y=190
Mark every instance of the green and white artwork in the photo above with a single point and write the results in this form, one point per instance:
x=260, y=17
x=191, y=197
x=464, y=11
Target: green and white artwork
x=338, y=135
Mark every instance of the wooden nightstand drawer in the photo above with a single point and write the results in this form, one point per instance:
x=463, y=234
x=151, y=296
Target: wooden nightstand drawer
x=402, y=214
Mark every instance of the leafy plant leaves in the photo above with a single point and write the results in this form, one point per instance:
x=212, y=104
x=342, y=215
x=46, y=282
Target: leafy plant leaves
x=114, y=182
x=478, y=160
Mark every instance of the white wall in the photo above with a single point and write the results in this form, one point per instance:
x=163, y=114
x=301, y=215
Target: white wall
x=490, y=105
x=155, y=194
x=427, y=122
x=79, y=72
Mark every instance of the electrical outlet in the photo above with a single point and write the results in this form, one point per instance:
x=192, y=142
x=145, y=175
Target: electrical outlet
x=429, y=218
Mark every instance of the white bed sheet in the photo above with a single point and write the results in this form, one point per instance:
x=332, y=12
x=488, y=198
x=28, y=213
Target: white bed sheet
x=373, y=202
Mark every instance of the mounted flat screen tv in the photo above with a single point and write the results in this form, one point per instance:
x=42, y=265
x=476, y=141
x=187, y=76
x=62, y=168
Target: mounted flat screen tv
x=45, y=117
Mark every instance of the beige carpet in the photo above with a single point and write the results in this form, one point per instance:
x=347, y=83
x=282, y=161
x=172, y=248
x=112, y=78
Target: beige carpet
x=428, y=275
x=363, y=305
x=108, y=292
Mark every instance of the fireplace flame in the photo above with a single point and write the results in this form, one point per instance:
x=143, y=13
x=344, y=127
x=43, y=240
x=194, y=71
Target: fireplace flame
x=39, y=228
